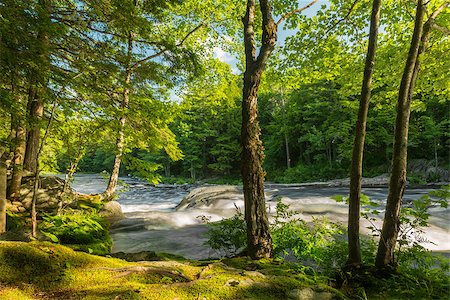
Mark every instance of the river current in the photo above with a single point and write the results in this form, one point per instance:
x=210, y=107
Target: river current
x=153, y=224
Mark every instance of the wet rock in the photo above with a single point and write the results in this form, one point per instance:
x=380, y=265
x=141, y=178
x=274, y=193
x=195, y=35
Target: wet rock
x=206, y=196
x=112, y=212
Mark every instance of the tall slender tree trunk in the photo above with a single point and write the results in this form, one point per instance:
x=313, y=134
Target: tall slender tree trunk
x=120, y=142
x=18, y=127
x=3, y=184
x=354, y=249
x=37, y=173
x=391, y=223
x=286, y=139
x=35, y=106
x=36, y=110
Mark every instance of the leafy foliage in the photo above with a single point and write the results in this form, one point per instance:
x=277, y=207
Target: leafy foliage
x=80, y=230
x=321, y=244
x=228, y=235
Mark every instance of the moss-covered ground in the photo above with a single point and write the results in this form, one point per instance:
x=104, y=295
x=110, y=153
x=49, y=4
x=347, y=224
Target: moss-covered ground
x=42, y=270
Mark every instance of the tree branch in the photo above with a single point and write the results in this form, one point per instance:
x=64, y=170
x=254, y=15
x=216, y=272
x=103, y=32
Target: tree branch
x=249, y=33
x=269, y=34
x=344, y=18
x=139, y=62
x=443, y=29
x=293, y=12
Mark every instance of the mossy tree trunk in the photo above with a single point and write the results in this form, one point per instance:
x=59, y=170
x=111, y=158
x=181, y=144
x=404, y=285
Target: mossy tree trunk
x=258, y=235
x=354, y=249
x=259, y=241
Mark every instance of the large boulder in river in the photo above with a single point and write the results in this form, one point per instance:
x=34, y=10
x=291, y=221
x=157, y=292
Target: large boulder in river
x=208, y=196
x=112, y=212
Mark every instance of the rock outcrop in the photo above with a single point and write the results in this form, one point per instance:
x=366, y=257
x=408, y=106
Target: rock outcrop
x=208, y=195
x=50, y=197
x=112, y=212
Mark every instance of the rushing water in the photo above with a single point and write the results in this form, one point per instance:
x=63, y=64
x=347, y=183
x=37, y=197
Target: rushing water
x=152, y=223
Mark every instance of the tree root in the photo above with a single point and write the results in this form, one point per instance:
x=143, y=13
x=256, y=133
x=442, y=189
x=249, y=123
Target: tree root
x=146, y=270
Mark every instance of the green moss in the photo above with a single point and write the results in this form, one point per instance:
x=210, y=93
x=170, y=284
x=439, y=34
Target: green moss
x=55, y=271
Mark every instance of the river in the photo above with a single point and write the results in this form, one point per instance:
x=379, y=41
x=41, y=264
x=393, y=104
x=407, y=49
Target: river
x=152, y=223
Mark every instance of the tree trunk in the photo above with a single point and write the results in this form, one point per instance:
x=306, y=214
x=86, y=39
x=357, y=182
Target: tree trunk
x=3, y=183
x=36, y=174
x=120, y=142
x=286, y=139
x=391, y=222
x=354, y=250
x=19, y=151
x=259, y=239
x=36, y=110
x=38, y=84
x=258, y=235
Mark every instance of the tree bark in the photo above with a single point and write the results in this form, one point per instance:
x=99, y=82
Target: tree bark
x=286, y=139
x=37, y=173
x=36, y=110
x=391, y=222
x=39, y=77
x=258, y=235
x=354, y=249
x=3, y=184
x=120, y=142
x=19, y=151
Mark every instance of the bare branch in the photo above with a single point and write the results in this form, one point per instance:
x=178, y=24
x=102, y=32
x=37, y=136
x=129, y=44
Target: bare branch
x=293, y=12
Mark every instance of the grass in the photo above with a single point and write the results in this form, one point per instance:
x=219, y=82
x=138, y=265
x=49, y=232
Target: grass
x=42, y=270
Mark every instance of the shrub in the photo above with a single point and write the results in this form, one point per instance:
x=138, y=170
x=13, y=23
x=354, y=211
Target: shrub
x=321, y=243
x=80, y=230
x=228, y=235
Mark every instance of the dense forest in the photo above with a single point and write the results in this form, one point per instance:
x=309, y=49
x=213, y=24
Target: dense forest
x=191, y=99
x=226, y=91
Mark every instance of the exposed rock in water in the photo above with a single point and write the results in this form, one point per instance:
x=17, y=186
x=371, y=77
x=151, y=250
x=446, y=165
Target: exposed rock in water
x=208, y=195
x=223, y=196
x=112, y=212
